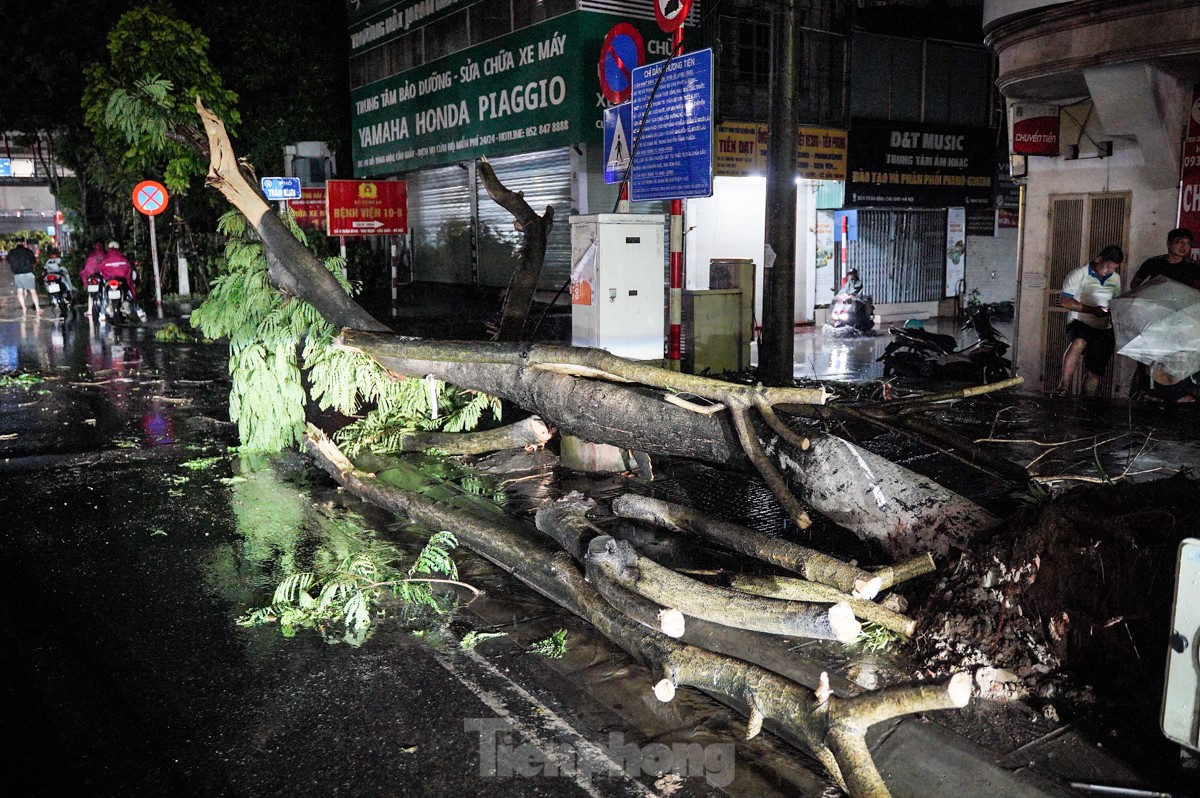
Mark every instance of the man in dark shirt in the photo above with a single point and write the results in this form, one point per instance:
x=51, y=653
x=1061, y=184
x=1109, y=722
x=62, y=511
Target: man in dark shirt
x=1176, y=264
x=21, y=260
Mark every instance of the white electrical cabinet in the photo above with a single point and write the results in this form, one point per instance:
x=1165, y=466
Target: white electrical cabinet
x=1181, y=697
x=617, y=284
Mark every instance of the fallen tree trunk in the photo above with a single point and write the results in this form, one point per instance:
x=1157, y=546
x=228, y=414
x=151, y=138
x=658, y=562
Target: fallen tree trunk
x=876, y=499
x=872, y=497
x=831, y=726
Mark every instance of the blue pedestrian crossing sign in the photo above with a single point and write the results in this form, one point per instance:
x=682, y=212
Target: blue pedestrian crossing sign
x=280, y=188
x=618, y=141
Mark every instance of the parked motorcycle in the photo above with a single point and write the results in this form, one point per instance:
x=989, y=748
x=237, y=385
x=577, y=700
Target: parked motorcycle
x=119, y=305
x=850, y=314
x=60, y=295
x=916, y=352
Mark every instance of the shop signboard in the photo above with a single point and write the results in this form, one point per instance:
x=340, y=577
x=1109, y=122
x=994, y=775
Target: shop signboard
x=366, y=207
x=1033, y=129
x=534, y=89
x=1189, y=187
x=397, y=20
x=920, y=165
x=741, y=150
x=309, y=210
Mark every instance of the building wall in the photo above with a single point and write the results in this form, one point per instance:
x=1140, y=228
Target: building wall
x=732, y=224
x=1152, y=215
x=992, y=266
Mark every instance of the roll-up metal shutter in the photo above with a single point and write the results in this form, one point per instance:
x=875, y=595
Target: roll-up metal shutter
x=439, y=215
x=900, y=255
x=545, y=179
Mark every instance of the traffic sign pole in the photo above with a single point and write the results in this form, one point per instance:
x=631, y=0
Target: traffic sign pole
x=150, y=198
x=675, y=294
x=154, y=260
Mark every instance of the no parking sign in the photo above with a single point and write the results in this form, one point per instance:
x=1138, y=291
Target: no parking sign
x=622, y=52
x=150, y=197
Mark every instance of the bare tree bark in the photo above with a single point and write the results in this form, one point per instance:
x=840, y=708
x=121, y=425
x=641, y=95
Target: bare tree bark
x=531, y=431
x=812, y=565
x=832, y=727
x=530, y=257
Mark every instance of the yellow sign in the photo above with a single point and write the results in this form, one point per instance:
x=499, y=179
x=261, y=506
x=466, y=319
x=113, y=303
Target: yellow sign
x=741, y=150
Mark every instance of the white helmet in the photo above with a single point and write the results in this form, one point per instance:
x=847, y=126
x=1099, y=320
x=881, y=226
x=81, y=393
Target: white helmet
x=113, y=245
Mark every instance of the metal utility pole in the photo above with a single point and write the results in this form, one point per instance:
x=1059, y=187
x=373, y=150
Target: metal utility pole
x=777, y=347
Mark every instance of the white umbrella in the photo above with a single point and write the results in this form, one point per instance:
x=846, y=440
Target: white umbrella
x=1159, y=325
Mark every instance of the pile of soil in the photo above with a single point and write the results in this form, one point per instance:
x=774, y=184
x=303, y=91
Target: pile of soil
x=1068, y=603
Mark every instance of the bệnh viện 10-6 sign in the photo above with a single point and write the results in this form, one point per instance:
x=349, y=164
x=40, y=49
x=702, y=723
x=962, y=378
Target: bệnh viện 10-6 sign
x=674, y=155
x=366, y=207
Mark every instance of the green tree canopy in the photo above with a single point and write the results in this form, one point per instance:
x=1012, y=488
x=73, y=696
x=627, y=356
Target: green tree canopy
x=139, y=103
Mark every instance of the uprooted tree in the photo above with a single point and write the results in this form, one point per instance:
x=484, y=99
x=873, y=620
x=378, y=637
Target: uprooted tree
x=637, y=603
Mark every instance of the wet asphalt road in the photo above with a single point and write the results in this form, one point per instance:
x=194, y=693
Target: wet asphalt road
x=134, y=539
x=126, y=569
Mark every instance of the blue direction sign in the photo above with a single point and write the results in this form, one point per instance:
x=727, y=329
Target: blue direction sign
x=280, y=188
x=618, y=140
x=5, y=167
x=675, y=152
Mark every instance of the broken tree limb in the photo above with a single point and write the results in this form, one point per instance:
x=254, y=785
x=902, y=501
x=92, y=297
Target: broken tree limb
x=531, y=431
x=663, y=586
x=902, y=571
x=530, y=256
x=817, y=724
x=810, y=564
x=873, y=498
x=290, y=266
x=790, y=589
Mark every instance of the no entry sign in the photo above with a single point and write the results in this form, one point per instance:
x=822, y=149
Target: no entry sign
x=366, y=207
x=671, y=13
x=150, y=197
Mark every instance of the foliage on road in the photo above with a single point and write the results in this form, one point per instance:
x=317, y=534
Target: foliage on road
x=341, y=602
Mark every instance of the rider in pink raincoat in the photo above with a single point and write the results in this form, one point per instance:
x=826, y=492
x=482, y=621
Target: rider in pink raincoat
x=117, y=265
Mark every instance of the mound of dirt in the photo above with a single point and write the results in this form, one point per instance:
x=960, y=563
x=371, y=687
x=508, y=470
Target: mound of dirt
x=1069, y=601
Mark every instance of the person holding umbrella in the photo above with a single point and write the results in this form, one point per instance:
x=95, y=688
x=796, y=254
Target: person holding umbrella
x=1086, y=293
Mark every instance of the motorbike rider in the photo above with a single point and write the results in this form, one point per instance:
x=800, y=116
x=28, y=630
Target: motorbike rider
x=851, y=285
x=91, y=267
x=115, y=264
x=54, y=265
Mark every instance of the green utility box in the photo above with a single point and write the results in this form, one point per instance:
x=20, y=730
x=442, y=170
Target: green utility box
x=718, y=324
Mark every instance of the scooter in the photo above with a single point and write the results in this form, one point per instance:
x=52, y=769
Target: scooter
x=916, y=352
x=119, y=304
x=60, y=295
x=850, y=314
x=95, y=292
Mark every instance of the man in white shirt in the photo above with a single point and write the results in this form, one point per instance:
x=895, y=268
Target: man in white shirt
x=1086, y=293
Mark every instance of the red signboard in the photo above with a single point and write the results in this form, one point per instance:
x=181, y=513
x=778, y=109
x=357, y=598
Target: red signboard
x=1189, y=183
x=309, y=210
x=1034, y=129
x=366, y=207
